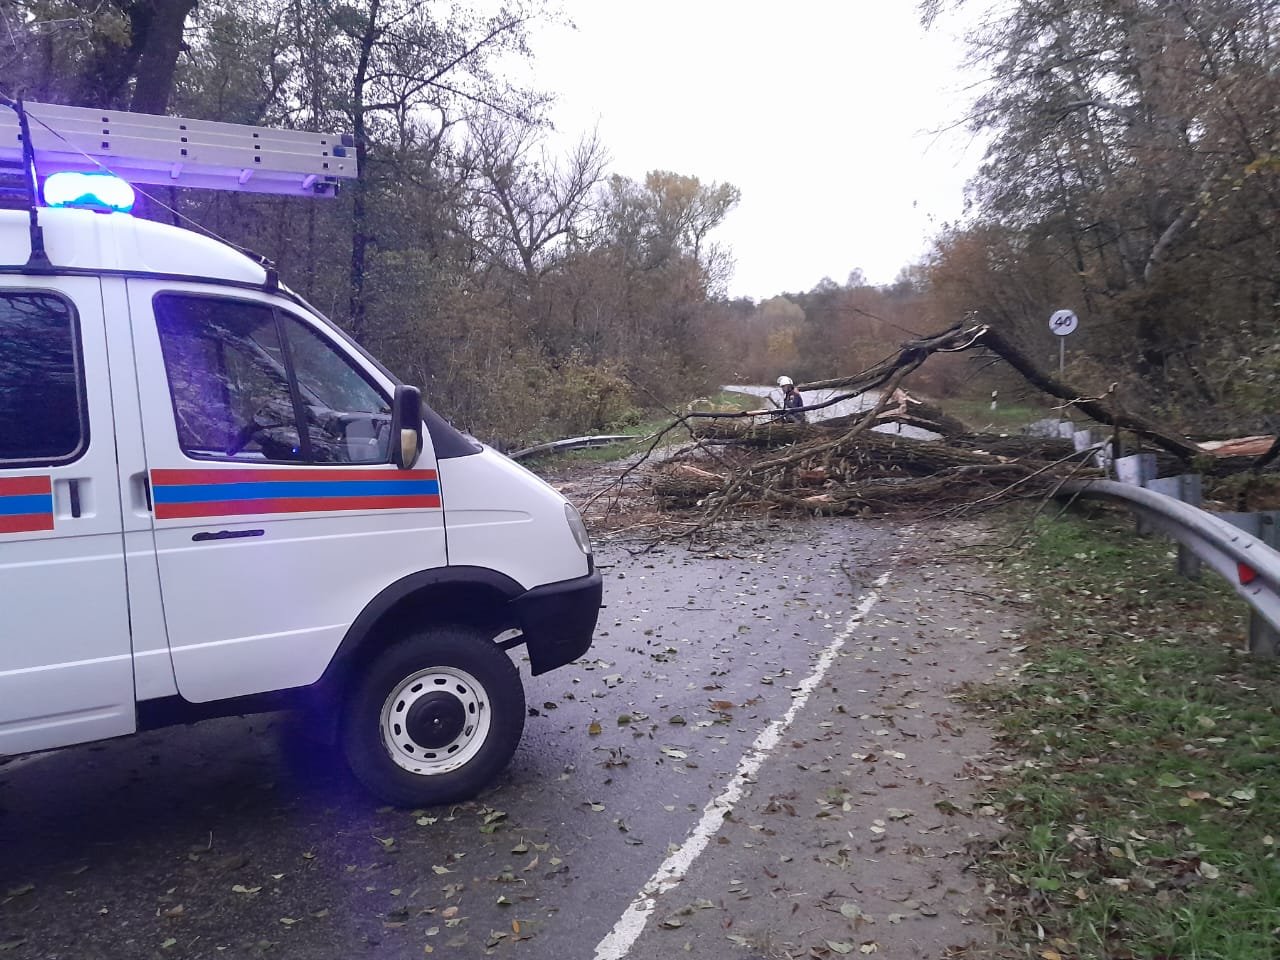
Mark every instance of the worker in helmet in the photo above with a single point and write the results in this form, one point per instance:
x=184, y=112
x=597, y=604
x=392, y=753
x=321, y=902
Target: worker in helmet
x=791, y=401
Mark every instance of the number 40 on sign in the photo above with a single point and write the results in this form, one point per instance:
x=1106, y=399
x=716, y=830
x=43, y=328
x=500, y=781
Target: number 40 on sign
x=1063, y=322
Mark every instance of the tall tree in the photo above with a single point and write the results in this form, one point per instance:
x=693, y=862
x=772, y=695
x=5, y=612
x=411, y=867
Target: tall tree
x=110, y=54
x=533, y=203
x=1131, y=145
x=400, y=68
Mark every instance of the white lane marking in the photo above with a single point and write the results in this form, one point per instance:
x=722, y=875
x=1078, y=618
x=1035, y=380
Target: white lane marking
x=632, y=922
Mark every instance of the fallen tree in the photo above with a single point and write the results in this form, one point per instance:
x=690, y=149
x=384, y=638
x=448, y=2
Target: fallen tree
x=969, y=336
x=823, y=470
x=1096, y=408
x=842, y=465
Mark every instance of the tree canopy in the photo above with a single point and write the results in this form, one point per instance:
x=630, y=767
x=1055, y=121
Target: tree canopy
x=525, y=287
x=1132, y=175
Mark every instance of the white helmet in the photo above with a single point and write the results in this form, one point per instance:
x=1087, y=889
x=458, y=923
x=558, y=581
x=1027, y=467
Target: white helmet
x=785, y=382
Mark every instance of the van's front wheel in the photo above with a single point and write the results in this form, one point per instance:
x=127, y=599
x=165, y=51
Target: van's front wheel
x=434, y=718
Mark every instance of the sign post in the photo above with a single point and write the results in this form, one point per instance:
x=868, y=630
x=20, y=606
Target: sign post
x=1063, y=323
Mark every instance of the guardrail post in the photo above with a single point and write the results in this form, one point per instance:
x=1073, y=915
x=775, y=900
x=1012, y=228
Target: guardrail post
x=1264, y=640
x=1189, y=488
x=1138, y=469
x=1250, y=523
x=1083, y=440
x=1270, y=523
x=1106, y=453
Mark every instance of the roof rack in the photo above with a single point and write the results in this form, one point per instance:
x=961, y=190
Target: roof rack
x=174, y=151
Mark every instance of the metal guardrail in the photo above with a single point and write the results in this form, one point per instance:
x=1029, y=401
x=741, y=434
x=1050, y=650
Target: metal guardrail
x=572, y=443
x=1249, y=565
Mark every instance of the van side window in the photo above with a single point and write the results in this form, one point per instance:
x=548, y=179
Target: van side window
x=348, y=420
x=243, y=376
x=41, y=391
x=228, y=379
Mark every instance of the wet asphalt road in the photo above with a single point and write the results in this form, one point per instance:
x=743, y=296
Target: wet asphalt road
x=242, y=838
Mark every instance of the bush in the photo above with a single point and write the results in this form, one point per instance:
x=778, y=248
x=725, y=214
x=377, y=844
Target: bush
x=582, y=397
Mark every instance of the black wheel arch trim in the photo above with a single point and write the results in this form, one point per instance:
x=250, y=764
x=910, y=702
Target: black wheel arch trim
x=405, y=587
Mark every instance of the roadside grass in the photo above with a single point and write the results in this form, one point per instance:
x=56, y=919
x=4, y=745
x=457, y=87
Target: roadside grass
x=730, y=401
x=1005, y=418
x=1143, y=797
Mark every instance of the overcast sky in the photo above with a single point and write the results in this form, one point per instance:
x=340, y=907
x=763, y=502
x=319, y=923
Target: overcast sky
x=824, y=113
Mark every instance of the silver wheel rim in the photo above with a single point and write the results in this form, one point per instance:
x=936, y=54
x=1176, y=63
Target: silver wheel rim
x=423, y=760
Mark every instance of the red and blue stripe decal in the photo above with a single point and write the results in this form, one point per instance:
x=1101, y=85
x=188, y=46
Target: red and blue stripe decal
x=180, y=494
x=26, y=504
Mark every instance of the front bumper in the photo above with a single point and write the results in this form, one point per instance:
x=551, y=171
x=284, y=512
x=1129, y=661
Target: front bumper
x=558, y=620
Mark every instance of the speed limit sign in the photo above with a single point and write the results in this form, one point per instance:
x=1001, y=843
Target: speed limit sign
x=1063, y=322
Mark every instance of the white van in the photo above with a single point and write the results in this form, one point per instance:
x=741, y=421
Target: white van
x=213, y=502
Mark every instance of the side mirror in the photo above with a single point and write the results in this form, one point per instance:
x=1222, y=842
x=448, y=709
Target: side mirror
x=406, y=426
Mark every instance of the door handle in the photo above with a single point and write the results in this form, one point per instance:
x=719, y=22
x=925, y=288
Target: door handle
x=73, y=497
x=204, y=535
x=140, y=493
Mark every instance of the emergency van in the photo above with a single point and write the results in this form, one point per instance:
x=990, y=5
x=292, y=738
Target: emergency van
x=214, y=502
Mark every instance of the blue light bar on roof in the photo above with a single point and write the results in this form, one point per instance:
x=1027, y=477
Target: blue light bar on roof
x=88, y=191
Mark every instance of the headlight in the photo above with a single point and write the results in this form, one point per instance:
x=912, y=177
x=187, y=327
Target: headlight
x=574, y=519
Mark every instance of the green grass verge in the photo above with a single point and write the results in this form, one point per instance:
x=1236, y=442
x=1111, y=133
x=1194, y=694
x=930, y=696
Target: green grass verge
x=729, y=401
x=1005, y=418
x=1144, y=813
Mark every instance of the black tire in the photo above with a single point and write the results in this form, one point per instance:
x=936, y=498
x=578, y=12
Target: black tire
x=454, y=714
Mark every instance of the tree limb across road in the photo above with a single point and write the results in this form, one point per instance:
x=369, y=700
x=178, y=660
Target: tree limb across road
x=1094, y=407
x=842, y=465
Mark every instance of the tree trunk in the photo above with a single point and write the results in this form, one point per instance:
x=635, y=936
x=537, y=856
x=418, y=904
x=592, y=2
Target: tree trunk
x=360, y=189
x=149, y=58
x=993, y=340
x=159, y=45
x=359, y=238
